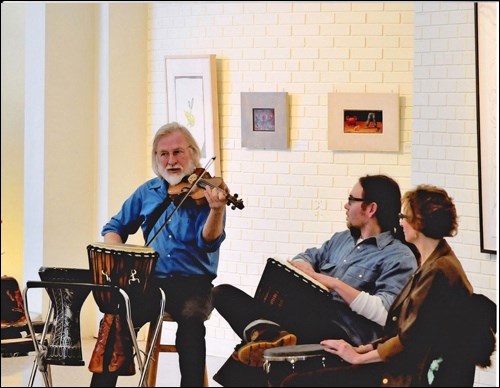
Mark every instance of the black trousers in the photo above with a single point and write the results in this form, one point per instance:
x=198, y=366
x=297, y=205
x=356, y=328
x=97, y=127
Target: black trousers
x=189, y=302
x=310, y=323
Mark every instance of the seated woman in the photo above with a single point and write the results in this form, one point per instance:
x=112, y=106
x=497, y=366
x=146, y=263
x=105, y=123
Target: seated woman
x=428, y=325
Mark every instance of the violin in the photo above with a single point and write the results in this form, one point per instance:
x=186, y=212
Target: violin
x=198, y=193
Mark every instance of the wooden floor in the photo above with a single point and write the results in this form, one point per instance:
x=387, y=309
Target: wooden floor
x=16, y=371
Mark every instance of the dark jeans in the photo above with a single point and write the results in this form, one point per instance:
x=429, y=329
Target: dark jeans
x=310, y=322
x=189, y=302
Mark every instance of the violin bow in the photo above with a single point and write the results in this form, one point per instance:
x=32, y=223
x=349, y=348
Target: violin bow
x=209, y=163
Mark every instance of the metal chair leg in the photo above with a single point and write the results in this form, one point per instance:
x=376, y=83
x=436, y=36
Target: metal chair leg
x=39, y=361
x=149, y=348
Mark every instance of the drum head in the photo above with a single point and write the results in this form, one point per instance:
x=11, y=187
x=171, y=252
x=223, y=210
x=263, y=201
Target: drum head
x=297, y=352
x=122, y=248
x=70, y=275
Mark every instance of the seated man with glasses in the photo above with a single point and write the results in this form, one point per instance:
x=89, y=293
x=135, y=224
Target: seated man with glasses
x=364, y=267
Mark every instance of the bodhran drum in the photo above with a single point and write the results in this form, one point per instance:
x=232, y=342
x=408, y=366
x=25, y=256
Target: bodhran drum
x=283, y=361
x=124, y=265
x=285, y=288
x=64, y=342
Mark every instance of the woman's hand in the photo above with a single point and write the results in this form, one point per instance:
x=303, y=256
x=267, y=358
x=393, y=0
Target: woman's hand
x=362, y=354
x=342, y=349
x=364, y=348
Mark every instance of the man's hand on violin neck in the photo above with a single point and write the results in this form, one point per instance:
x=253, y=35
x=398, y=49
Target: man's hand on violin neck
x=216, y=197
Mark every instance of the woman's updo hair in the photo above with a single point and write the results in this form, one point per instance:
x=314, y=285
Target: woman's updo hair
x=431, y=211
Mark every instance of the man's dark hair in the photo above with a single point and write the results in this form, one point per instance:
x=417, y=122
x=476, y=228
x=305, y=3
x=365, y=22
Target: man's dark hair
x=385, y=192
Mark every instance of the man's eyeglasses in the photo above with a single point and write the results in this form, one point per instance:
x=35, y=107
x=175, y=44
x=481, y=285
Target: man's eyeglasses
x=165, y=155
x=402, y=216
x=352, y=199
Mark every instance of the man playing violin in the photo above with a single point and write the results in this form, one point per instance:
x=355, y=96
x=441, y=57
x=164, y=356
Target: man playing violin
x=188, y=247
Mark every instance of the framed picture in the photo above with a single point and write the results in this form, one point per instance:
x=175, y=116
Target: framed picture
x=264, y=120
x=192, y=102
x=363, y=122
x=486, y=18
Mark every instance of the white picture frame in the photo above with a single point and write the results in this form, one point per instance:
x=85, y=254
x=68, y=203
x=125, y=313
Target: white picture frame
x=191, y=82
x=363, y=122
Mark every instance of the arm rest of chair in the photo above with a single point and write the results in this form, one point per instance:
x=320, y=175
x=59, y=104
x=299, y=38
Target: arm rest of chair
x=54, y=284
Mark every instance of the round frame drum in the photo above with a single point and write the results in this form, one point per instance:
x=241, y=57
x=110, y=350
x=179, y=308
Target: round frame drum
x=282, y=361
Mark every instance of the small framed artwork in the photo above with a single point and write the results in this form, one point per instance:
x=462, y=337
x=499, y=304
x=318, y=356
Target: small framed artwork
x=264, y=120
x=363, y=122
x=192, y=102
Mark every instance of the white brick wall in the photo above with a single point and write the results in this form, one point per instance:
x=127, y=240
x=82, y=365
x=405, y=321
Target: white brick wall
x=444, y=138
x=424, y=51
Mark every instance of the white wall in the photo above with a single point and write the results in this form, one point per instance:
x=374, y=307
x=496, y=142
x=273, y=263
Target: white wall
x=82, y=118
x=444, y=137
x=294, y=198
x=12, y=118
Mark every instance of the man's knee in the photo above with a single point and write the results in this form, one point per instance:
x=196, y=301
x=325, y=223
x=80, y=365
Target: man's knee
x=223, y=292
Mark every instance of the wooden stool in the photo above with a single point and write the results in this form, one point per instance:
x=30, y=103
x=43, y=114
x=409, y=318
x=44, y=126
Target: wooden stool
x=161, y=348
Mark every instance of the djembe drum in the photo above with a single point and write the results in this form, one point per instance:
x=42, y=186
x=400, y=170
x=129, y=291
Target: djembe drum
x=128, y=267
x=64, y=343
x=123, y=265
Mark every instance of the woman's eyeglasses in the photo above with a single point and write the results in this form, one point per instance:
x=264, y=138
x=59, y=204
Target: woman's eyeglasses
x=352, y=199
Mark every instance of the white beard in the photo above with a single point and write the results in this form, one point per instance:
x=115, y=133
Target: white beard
x=172, y=179
x=175, y=179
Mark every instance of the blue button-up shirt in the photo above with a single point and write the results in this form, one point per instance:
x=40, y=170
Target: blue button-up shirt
x=379, y=265
x=180, y=245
